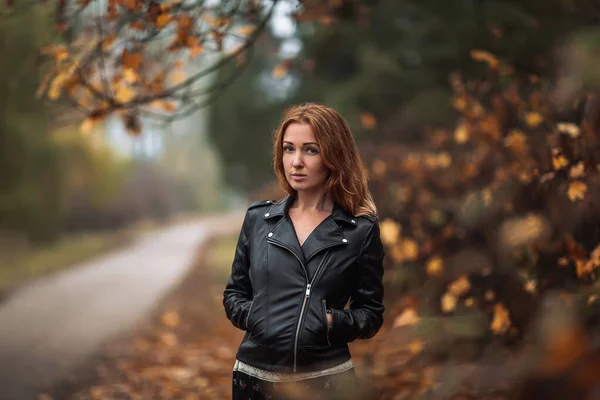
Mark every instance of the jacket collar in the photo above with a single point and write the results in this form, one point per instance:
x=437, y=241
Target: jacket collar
x=327, y=234
x=281, y=208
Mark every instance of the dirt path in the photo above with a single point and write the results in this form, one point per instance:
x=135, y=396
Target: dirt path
x=53, y=325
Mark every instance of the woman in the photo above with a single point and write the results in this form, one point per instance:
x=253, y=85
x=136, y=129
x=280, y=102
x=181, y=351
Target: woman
x=300, y=259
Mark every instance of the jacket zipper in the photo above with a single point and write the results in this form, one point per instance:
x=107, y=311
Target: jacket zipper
x=326, y=322
x=306, y=293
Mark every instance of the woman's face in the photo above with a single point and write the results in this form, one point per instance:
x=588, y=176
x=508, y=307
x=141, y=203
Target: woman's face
x=302, y=160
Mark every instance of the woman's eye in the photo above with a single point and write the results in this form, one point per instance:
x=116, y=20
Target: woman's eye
x=312, y=150
x=288, y=148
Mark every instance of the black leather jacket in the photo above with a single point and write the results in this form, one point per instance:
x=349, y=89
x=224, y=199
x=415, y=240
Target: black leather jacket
x=279, y=292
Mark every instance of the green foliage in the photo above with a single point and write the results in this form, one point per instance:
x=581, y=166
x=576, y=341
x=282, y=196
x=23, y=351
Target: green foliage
x=243, y=119
x=30, y=165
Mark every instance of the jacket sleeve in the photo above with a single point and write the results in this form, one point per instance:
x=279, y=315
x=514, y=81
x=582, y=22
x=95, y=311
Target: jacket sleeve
x=365, y=316
x=237, y=296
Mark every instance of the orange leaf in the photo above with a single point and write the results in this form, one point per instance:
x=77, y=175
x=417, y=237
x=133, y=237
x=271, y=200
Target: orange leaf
x=389, y=231
x=434, y=266
x=280, y=70
x=132, y=60
x=577, y=170
x=461, y=134
x=559, y=161
x=533, y=119
x=87, y=125
x=448, y=302
x=577, y=190
x=501, y=321
x=163, y=20
x=130, y=75
x=170, y=319
x=489, y=58
x=124, y=94
x=459, y=286
x=416, y=346
x=368, y=120
x=408, y=317
x=246, y=30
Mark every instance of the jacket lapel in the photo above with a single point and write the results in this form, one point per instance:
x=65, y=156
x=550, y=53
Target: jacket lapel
x=325, y=235
x=283, y=233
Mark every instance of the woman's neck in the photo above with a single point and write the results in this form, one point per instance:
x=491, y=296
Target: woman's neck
x=313, y=202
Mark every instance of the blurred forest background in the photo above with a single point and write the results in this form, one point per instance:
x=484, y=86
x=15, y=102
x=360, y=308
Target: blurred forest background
x=479, y=121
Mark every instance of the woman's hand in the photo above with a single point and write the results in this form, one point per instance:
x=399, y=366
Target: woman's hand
x=329, y=320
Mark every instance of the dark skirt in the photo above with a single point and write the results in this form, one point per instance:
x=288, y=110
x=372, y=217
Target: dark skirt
x=343, y=385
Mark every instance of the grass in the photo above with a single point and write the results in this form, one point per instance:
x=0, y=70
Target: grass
x=22, y=264
x=221, y=252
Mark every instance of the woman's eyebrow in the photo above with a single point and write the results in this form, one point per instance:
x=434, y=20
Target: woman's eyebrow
x=304, y=144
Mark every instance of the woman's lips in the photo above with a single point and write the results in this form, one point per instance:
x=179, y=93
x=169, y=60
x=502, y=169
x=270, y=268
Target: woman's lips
x=298, y=177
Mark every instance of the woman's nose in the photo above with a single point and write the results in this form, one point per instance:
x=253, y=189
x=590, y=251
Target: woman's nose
x=298, y=162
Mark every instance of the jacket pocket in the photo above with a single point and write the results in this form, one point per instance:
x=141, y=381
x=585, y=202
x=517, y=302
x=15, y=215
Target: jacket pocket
x=256, y=322
x=313, y=331
x=248, y=316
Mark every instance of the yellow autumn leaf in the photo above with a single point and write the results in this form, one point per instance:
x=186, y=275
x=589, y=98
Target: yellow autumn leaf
x=459, y=286
x=87, y=125
x=163, y=20
x=280, y=70
x=410, y=249
x=563, y=262
x=177, y=77
x=130, y=75
x=531, y=286
x=246, y=30
x=448, y=302
x=489, y=295
x=124, y=94
x=516, y=141
x=444, y=160
x=501, y=320
x=61, y=54
x=533, y=119
x=195, y=51
x=459, y=103
x=434, y=266
x=168, y=338
x=368, y=120
x=56, y=87
x=416, y=346
x=379, y=168
x=521, y=231
x=389, y=231
x=407, y=318
x=470, y=302
x=559, y=161
x=461, y=134
x=577, y=171
x=168, y=106
x=577, y=190
x=396, y=254
x=170, y=319
x=484, y=56
x=568, y=128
